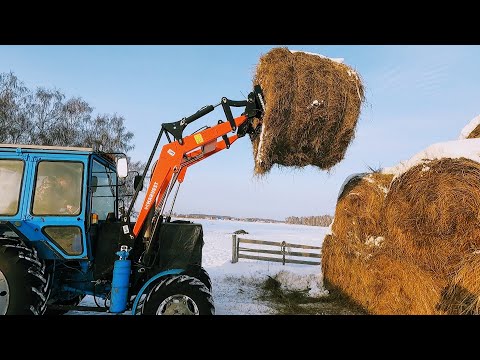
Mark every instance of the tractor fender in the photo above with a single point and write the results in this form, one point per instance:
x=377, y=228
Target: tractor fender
x=151, y=280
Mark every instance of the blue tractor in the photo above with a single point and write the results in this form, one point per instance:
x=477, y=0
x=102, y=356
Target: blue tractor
x=66, y=233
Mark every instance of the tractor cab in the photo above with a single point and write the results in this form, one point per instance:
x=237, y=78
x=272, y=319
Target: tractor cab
x=54, y=195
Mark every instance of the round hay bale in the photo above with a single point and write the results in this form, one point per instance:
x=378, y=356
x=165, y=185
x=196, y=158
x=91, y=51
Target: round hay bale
x=359, y=209
x=399, y=287
x=312, y=108
x=337, y=261
x=379, y=283
x=432, y=214
x=334, y=259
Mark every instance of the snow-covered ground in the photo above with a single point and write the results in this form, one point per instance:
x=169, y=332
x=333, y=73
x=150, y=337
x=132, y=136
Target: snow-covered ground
x=235, y=286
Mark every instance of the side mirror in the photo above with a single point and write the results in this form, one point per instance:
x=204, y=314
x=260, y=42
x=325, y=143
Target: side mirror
x=137, y=181
x=122, y=168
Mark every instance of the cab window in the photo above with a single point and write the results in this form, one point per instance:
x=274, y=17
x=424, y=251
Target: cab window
x=104, y=184
x=11, y=173
x=68, y=238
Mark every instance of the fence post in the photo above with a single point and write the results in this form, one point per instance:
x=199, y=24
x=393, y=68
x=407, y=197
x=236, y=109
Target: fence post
x=284, y=244
x=234, y=249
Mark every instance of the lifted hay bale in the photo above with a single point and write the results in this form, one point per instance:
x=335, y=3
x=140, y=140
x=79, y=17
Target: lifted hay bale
x=312, y=107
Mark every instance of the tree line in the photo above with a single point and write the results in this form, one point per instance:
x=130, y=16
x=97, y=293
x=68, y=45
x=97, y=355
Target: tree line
x=44, y=116
x=47, y=117
x=322, y=220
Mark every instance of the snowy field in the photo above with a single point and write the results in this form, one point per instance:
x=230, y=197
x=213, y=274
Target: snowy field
x=235, y=286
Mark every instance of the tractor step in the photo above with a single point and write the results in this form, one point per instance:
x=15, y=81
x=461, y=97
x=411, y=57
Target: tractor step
x=78, y=308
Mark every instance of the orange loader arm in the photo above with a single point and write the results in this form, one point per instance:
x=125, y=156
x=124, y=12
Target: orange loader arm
x=176, y=156
x=175, y=159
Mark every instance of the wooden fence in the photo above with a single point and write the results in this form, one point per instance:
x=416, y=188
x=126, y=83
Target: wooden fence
x=238, y=251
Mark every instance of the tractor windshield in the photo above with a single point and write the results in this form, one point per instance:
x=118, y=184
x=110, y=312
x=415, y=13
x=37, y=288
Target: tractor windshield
x=58, y=188
x=104, y=191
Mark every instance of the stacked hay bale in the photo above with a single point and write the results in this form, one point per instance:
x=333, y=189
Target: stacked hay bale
x=432, y=214
x=312, y=107
x=356, y=228
x=355, y=259
x=432, y=219
x=429, y=221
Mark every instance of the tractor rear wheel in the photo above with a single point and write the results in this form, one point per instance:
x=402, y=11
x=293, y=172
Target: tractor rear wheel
x=24, y=283
x=179, y=295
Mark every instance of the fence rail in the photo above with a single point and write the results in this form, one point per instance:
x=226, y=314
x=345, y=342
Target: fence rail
x=238, y=252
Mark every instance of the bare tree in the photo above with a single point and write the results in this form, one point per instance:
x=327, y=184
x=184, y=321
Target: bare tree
x=108, y=133
x=44, y=112
x=126, y=191
x=46, y=117
x=15, y=124
x=76, y=115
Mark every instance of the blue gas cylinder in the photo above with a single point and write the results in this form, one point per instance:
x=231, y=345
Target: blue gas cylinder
x=120, y=283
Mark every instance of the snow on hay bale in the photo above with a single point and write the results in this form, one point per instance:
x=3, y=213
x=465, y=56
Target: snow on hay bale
x=456, y=149
x=432, y=214
x=471, y=130
x=378, y=283
x=312, y=107
x=359, y=208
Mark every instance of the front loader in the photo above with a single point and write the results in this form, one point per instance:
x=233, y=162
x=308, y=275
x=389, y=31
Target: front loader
x=59, y=243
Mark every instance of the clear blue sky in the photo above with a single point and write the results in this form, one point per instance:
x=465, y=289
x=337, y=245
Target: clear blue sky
x=416, y=96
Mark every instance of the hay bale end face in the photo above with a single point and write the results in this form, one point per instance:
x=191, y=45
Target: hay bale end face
x=432, y=214
x=359, y=208
x=312, y=107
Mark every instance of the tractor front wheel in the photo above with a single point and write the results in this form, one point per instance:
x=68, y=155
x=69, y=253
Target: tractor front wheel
x=201, y=274
x=179, y=295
